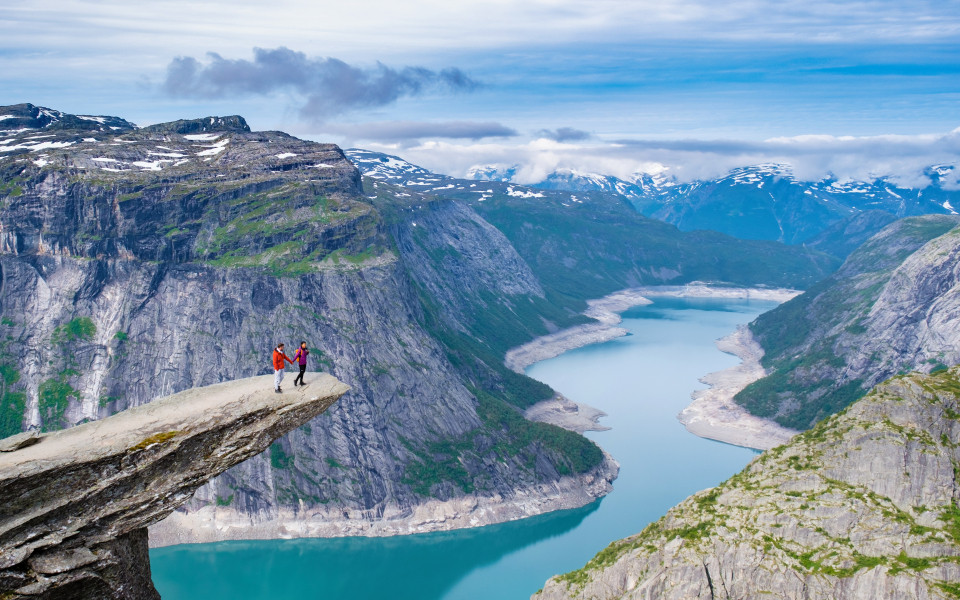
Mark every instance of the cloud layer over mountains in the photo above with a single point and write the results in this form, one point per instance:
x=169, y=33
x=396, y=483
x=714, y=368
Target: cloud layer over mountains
x=903, y=158
x=547, y=84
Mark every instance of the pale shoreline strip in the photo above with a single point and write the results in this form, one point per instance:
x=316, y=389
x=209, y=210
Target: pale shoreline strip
x=713, y=414
x=215, y=523
x=563, y=412
x=607, y=311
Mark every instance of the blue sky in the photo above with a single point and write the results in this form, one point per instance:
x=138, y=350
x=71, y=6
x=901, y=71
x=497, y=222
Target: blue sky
x=860, y=88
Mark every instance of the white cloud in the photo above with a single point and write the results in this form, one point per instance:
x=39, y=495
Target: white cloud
x=410, y=132
x=905, y=158
x=646, y=67
x=360, y=29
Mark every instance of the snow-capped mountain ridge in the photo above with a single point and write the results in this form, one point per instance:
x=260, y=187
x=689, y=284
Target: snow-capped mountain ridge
x=391, y=168
x=26, y=117
x=763, y=201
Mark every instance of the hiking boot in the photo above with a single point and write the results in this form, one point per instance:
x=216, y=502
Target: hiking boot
x=278, y=390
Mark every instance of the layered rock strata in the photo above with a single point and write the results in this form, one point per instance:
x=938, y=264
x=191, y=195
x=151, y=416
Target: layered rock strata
x=75, y=506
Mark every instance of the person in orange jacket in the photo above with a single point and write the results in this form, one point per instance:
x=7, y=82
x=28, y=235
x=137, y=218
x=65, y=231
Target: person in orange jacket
x=278, y=365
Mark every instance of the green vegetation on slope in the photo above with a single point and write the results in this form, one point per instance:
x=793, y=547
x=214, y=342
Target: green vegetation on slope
x=807, y=340
x=481, y=358
x=286, y=230
x=54, y=399
x=592, y=249
x=513, y=438
x=55, y=394
x=13, y=402
x=80, y=328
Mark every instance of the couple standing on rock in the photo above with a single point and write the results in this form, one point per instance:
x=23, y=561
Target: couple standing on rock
x=300, y=356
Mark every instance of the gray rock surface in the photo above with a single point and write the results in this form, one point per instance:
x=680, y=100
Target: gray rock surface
x=864, y=506
x=75, y=506
x=20, y=440
x=892, y=307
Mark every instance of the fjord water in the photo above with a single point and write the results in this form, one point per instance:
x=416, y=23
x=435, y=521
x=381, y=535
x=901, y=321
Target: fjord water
x=642, y=381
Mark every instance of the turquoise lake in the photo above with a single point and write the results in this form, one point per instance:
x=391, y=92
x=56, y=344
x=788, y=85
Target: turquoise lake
x=641, y=381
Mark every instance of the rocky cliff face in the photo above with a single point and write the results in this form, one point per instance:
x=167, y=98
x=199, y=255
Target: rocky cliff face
x=75, y=504
x=866, y=505
x=141, y=262
x=206, y=190
x=891, y=308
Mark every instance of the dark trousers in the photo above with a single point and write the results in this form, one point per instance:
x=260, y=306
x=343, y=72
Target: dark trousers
x=303, y=369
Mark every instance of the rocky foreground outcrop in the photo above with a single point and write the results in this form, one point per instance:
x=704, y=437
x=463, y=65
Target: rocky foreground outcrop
x=75, y=504
x=864, y=506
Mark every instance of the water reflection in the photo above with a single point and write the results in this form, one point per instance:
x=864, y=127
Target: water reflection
x=415, y=567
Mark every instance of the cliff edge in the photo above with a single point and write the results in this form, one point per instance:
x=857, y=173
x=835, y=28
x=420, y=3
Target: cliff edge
x=75, y=504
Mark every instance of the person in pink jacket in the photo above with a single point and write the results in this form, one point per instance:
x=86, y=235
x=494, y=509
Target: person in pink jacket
x=300, y=357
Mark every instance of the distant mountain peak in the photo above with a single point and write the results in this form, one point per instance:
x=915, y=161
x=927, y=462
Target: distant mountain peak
x=234, y=123
x=754, y=174
x=387, y=167
x=28, y=116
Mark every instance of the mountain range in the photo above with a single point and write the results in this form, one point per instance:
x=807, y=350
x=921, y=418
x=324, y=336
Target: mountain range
x=762, y=202
x=138, y=262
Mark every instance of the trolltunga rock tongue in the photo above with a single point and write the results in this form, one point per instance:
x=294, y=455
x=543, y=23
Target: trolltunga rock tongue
x=75, y=506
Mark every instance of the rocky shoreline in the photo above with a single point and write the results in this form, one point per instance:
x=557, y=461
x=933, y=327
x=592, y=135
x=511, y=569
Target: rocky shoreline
x=606, y=311
x=218, y=523
x=714, y=415
x=563, y=412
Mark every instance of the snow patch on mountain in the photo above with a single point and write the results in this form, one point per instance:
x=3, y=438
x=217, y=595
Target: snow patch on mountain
x=511, y=191
x=202, y=137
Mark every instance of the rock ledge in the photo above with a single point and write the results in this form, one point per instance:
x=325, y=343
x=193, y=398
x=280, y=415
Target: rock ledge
x=74, y=507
